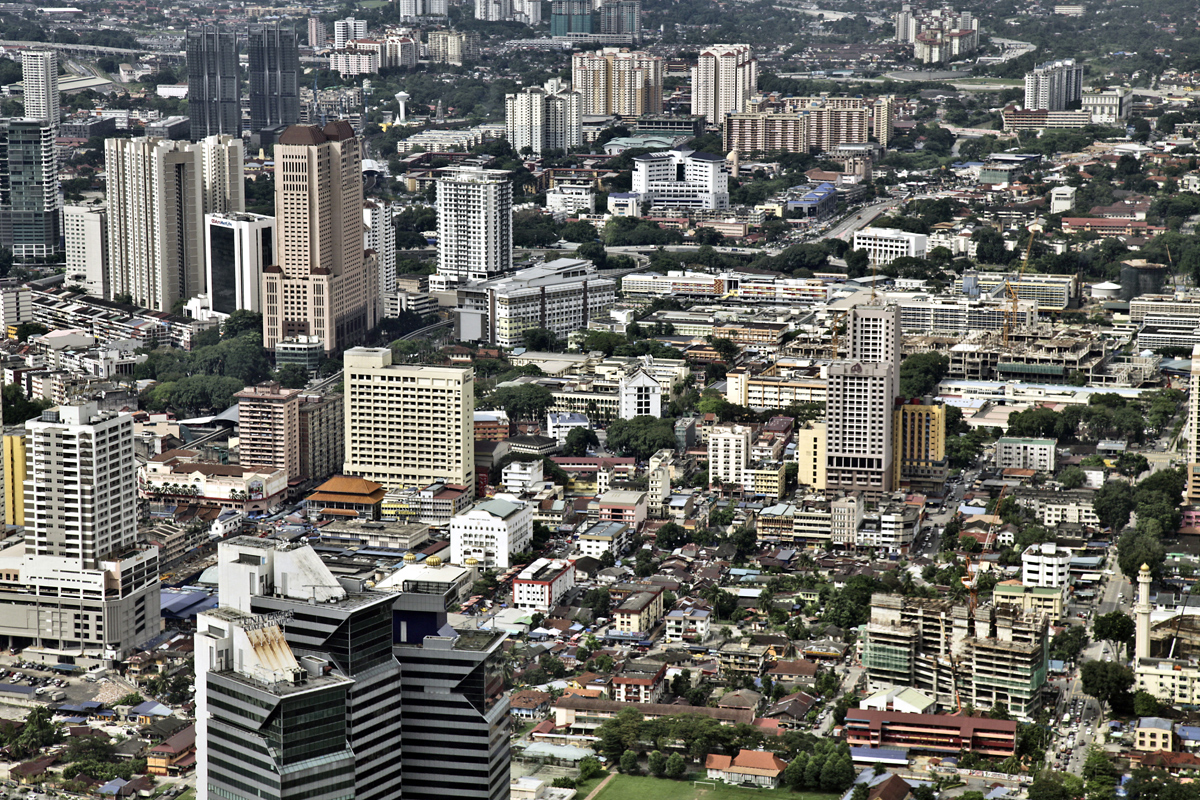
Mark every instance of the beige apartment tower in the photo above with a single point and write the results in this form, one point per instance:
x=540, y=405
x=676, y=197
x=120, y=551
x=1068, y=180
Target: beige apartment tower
x=321, y=284
x=618, y=81
x=723, y=81
x=408, y=426
x=269, y=427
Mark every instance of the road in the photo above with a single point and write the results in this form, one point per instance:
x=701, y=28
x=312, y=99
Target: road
x=854, y=222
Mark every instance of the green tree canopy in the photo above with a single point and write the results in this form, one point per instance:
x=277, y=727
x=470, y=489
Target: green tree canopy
x=920, y=373
x=641, y=437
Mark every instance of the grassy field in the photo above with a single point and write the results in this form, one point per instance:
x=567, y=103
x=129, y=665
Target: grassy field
x=629, y=787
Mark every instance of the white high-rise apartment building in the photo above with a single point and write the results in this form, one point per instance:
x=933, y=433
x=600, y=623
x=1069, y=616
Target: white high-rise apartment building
x=614, y=81
x=347, y=30
x=681, y=179
x=1046, y=564
x=491, y=532
x=860, y=398
x=379, y=234
x=724, y=78
x=85, y=234
x=317, y=33
x=39, y=77
x=494, y=10
x=1054, y=85
x=408, y=426
x=728, y=453
x=885, y=245
x=86, y=586
x=474, y=226
x=238, y=247
x=158, y=193
x=550, y=118
x=528, y=11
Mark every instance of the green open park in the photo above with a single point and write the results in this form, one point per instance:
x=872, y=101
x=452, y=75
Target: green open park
x=626, y=787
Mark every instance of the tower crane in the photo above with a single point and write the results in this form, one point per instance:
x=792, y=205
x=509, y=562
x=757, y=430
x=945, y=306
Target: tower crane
x=1010, y=314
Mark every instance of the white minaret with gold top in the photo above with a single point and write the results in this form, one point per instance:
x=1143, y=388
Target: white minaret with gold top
x=1141, y=613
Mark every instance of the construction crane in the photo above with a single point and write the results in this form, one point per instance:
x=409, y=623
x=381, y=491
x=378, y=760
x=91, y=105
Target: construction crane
x=1010, y=314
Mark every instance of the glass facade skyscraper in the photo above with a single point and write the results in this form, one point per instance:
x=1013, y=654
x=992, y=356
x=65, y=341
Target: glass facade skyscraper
x=214, y=87
x=274, y=76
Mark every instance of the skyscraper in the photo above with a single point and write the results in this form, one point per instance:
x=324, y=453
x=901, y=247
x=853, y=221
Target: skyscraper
x=274, y=76
x=544, y=119
x=214, y=86
x=408, y=426
x=347, y=30
x=86, y=586
x=859, y=409
x=379, y=235
x=237, y=248
x=474, y=225
x=614, y=81
x=30, y=210
x=269, y=426
x=724, y=78
x=269, y=724
x=320, y=285
x=619, y=17
x=317, y=34
x=39, y=77
x=1054, y=85
x=571, y=16
x=493, y=10
x=158, y=193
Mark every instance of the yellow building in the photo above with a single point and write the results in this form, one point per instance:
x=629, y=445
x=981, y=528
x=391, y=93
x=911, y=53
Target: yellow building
x=1045, y=599
x=639, y=613
x=919, y=445
x=810, y=455
x=14, y=477
x=766, y=479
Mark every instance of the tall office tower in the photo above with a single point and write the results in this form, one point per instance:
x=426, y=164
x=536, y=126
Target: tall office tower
x=39, y=76
x=571, y=16
x=1193, y=439
x=237, y=248
x=274, y=76
x=347, y=30
x=15, y=466
x=455, y=740
x=341, y=737
x=620, y=82
x=620, y=17
x=1054, y=85
x=30, y=208
x=493, y=10
x=474, y=225
x=920, y=445
x=884, y=119
x=317, y=33
x=379, y=234
x=85, y=234
x=724, y=78
x=544, y=119
x=269, y=427
x=408, y=426
x=320, y=284
x=214, y=85
x=158, y=193
x=86, y=585
x=859, y=409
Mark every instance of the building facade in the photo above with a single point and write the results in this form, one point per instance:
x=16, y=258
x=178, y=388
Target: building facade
x=492, y=532
x=408, y=426
x=723, y=80
x=728, y=453
x=274, y=52
x=1035, y=454
x=214, y=85
x=544, y=119
x=85, y=235
x=269, y=428
x=474, y=226
x=885, y=245
x=238, y=247
x=681, y=179
x=1054, y=85
x=621, y=82
x=30, y=204
x=320, y=284
x=39, y=82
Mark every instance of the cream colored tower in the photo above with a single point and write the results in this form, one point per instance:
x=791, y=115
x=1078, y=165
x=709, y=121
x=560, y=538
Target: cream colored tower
x=320, y=285
x=1141, y=614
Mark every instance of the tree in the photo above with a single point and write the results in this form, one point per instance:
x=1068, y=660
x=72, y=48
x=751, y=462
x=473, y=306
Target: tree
x=525, y=401
x=27, y=329
x=292, y=376
x=1137, y=547
x=641, y=437
x=1145, y=704
x=242, y=321
x=1107, y=681
x=1113, y=504
x=1132, y=464
x=1072, y=477
x=989, y=246
x=1067, y=645
x=1115, y=627
x=671, y=536
x=676, y=767
x=920, y=373
x=656, y=762
x=579, y=440
x=541, y=340
x=18, y=408
x=727, y=349
x=590, y=768
x=629, y=763
x=999, y=711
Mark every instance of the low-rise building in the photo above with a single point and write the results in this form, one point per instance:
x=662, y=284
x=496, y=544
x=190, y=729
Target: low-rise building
x=1035, y=454
x=1041, y=599
x=930, y=733
x=636, y=617
x=639, y=682
x=1154, y=734
x=543, y=584
x=748, y=768
x=491, y=532
x=604, y=537
x=1046, y=565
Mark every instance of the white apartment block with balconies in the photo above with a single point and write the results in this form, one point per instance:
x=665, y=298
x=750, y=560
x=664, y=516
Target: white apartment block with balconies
x=543, y=584
x=1045, y=564
x=728, y=453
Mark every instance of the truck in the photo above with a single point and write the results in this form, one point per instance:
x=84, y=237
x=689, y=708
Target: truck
x=54, y=696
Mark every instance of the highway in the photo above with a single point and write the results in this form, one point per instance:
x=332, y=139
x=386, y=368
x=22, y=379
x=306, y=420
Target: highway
x=845, y=229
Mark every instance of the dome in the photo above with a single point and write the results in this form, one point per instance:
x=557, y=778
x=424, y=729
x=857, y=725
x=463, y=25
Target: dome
x=434, y=561
x=470, y=562
x=410, y=558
